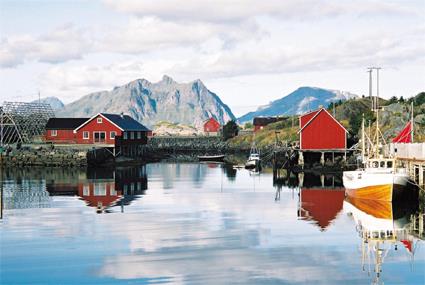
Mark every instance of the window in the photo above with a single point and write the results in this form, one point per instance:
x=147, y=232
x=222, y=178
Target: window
x=99, y=189
x=139, y=135
x=53, y=133
x=125, y=135
x=112, y=191
x=86, y=135
x=86, y=190
x=389, y=164
x=132, y=135
x=112, y=135
x=99, y=120
x=382, y=164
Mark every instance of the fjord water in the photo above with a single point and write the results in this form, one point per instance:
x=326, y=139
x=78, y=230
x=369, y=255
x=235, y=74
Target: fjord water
x=189, y=223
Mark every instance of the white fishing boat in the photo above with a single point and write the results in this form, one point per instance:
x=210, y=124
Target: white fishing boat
x=254, y=160
x=380, y=178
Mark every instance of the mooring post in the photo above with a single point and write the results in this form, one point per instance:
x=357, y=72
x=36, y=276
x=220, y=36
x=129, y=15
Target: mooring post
x=301, y=179
x=301, y=159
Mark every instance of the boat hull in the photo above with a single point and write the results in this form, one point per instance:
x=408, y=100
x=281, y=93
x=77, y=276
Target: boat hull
x=374, y=186
x=214, y=158
x=251, y=164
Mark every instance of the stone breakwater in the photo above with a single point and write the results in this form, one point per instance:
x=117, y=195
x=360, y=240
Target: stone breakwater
x=43, y=157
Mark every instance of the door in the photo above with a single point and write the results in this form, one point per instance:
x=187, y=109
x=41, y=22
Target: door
x=99, y=137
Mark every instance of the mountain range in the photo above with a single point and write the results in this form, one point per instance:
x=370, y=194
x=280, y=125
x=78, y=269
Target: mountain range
x=300, y=101
x=167, y=100
x=186, y=103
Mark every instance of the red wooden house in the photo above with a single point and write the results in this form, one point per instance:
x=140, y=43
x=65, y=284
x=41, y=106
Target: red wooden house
x=319, y=130
x=61, y=130
x=211, y=126
x=101, y=129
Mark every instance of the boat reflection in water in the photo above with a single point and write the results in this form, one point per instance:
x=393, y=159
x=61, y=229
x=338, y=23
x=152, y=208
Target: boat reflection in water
x=103, y=188
x=383, y=226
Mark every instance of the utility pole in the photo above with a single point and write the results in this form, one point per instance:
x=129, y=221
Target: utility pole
x=369, y=70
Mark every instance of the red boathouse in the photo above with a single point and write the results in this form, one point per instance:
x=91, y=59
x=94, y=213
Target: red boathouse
x=211, y=126
x=319, y=130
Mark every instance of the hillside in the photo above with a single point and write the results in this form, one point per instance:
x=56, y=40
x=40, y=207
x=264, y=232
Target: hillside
x=393, y=118
x=167, y=100
x=300, y=101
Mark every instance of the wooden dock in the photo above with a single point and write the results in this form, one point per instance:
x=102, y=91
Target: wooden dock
x=416, y=169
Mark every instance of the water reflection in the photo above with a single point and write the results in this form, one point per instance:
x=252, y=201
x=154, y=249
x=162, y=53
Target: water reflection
x=384, y=227
x=100, y=188
x=215, y=225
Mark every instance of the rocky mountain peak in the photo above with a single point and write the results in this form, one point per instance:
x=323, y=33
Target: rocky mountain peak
x=167, y=100
x=167, y=79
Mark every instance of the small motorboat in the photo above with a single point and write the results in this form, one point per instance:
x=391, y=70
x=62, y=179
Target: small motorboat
x=216, y=158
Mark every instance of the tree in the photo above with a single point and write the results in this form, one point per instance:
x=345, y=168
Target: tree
x=355, y=121
x=393, y=100
x=248, y=125
x=401, y=100
x=230, y=130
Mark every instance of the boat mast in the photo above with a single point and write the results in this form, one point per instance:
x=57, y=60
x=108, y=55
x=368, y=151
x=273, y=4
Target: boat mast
x=375, y=105
x=363, y=141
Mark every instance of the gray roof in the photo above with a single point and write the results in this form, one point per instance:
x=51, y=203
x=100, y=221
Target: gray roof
x=126, y=122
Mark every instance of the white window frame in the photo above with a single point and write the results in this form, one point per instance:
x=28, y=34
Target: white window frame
x=84, y=135
x=125, y=135
x=99, y=189
x=139, y=135
x=99, y=120
x=54, y=133
x=132, y=135
x=86, y=190
x=112, y=135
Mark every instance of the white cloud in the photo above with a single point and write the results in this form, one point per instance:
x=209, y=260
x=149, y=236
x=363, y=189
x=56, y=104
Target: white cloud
x=240, y=10
x=62, y=44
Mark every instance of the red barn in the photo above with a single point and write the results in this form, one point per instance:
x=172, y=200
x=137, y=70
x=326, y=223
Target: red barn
x=319, y=130
x=211, y=126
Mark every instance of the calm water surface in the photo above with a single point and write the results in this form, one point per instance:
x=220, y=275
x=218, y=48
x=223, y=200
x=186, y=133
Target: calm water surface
x=200, y=224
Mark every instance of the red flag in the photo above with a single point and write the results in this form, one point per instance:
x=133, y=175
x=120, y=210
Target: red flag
x=407, y=244
x=405, y=135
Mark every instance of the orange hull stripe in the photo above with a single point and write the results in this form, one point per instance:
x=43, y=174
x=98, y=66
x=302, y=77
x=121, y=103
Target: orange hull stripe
x=378, y=209
x=380, y=192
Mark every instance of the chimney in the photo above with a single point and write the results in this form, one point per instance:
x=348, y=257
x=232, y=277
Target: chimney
x=122, y=115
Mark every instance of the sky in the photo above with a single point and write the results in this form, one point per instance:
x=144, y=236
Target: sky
x=249, y=52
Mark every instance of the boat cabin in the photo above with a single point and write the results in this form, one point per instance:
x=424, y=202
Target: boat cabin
x=380, y=163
